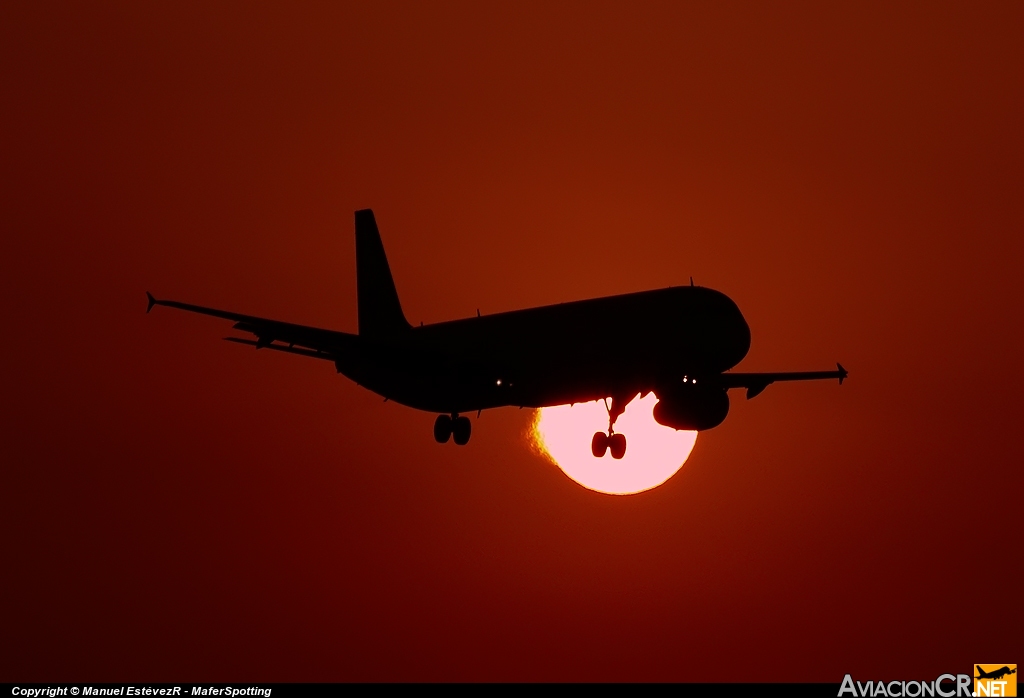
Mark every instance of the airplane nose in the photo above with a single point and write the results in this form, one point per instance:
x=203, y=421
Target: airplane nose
x=743, y=337
x=740, y=340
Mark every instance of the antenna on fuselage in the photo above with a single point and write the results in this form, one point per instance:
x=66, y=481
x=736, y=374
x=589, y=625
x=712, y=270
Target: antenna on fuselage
x=691, y=282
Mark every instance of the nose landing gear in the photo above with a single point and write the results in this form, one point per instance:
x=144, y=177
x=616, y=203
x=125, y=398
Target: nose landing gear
x=616, y=443
x=452, y=426
x=602, y=442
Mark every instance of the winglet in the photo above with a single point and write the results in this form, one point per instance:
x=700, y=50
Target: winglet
x=152, y=301
x=843, y=373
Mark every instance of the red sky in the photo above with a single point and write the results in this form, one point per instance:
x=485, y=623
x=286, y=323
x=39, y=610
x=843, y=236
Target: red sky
x=180, y=508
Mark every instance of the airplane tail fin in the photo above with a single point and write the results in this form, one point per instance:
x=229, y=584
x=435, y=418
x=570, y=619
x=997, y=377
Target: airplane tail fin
x=380, y=313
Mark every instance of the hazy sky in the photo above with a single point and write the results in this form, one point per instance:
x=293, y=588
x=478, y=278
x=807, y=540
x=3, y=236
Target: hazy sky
x=178, y=507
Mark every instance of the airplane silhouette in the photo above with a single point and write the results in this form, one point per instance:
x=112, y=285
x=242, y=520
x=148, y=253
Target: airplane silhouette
x=677, y=342
x=995, y=674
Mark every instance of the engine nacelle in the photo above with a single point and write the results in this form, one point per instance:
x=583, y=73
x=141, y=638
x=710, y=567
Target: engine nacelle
x=691, y=407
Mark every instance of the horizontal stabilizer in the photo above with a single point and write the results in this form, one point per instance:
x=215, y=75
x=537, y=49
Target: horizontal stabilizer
x=282, y=347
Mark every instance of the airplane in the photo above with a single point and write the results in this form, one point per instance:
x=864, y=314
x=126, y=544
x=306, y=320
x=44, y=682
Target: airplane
x=995, y=673
x=677, y=342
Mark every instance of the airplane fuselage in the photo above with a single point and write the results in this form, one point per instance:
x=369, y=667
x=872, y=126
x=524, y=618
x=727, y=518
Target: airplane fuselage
x=677, y=342
x=557, y=354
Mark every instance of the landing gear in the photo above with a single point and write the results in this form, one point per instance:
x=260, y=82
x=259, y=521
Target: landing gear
x=616, y=443
x=601, y=443
x=442, y=428
x=461, y=429
x=448, y=426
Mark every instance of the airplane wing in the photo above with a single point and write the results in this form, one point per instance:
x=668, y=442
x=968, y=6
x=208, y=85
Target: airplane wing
x=755, y=383
x=272, y=334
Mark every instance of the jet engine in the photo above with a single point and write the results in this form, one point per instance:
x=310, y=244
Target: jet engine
x=691, y=406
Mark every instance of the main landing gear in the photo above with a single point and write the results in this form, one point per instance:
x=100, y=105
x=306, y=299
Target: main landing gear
x=616, y=443
x=452, y=427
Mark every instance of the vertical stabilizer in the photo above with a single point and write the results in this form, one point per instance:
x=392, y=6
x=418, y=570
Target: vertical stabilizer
x=380, y=313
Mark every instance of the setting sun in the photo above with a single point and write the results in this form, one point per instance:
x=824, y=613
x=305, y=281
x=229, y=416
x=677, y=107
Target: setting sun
x=654, y=455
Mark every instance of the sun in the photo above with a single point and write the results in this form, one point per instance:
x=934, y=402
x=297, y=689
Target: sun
x=654, y=453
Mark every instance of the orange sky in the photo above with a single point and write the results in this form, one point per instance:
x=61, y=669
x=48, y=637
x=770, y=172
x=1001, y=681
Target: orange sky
x=180, y=507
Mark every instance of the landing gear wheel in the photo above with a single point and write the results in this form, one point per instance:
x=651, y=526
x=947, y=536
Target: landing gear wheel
x=461, y=429
x=617, y=445
x=443, y=429
x=599, y=444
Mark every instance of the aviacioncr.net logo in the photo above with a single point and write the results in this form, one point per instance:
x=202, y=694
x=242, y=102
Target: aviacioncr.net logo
x=995, y=680
x=946, y=686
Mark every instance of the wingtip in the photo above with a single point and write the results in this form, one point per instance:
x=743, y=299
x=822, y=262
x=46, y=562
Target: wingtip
x=843, y=373
x=152, y=301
